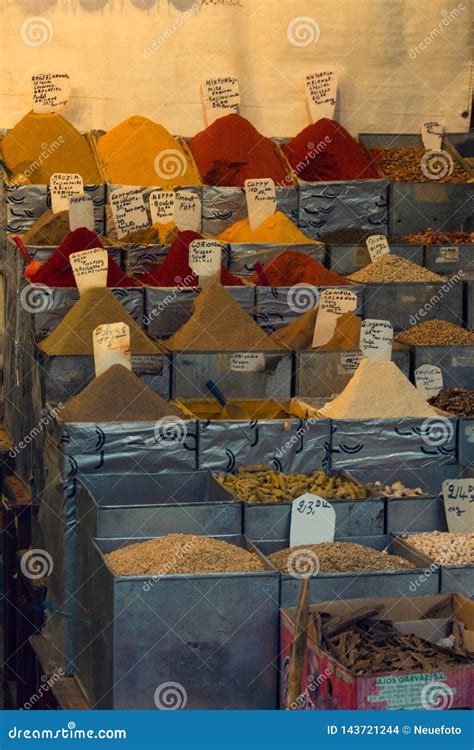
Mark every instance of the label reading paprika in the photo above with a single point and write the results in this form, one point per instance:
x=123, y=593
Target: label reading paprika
x=90, y=268
x=321, y=93
x=376, y=339
x=50, y=91
x=81, y=212
x=128, y=210
x=111, y=346
x=220, y=96
x=62, y=186
x=260, y=195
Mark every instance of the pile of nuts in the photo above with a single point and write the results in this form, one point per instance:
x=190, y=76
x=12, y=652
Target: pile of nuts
x=397, y=489
x=456, y=401
x=444, y=547
x=409, y=164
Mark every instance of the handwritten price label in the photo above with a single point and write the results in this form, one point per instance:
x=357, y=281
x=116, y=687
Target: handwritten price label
x=162, y=206
x=50, y=91
x=458, y=496
x=247, y=362
x=377, y=246
x=261, y=200
x=90, y=268
x=62, y=187
x=187, y=211
x=376, y=339
x=432, y=135
x=313, y=520
x=321, y=92
x=429, y=380
x=205, y=258
x=128, y=210
x=81, y=212
x=111, y=346
x=332, y=304
x=220, y=96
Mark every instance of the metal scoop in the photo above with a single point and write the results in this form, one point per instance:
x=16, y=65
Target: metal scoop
x=229, y=411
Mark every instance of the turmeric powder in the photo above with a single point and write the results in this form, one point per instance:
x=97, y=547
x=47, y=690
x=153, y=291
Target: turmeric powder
x=277, y=229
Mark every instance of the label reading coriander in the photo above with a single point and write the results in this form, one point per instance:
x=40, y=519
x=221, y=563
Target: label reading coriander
x=247, y=362
x=50, y=92
x=111, y=346
x=377, y=246
x=162, y=206
x=432, y=135
x=321, y=93
x=90, y=268
x=313, y=520
x=260, y=195
x=205, y=258
x=332, y=304
x=187, y=211
x=220, y=96
x=128, y=210
x=429, y=380
x=376, y=339
x=62, y=186
x=81, y=212
x=458, y=496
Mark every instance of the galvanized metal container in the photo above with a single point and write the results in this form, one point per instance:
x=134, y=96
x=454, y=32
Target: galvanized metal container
x=331, y=586
x=323, y=373
x=191, y=370
x=209, y=639
x=466, y=441
x=464, y=145
x=168, y=308
x=348, y=259
x=452, y=578
x=243, y=256
x=223, y=206
x=279, y=306
x=446, y=258
x=456, y=363
x=469, y=299
x=407, y=303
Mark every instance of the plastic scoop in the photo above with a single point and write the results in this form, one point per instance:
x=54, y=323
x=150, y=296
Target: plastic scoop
x=33, y=266
x=229, y=411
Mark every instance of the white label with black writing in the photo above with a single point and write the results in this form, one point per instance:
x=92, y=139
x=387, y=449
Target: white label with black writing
x=448, y=255
x=220, y=96
x=432, y=135
x=458, y=496
x=162, y=206
x=111, y=347
x=313, y=520
x=428, y=380
x=321, y=92
x=187, y=211
x=247, y=362
x=62, y=186
x=50, y=91
x=81, y=212
x=90, y=268
x=376, y=339
x=128, y=210
x=261, y=200
x=377, y=245
x=205, y=258
x=350, y=361
x=332, y=304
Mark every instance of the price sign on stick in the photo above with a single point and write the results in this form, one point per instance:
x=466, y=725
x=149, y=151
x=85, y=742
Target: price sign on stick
x=332, y=304
x=377, y=246
x=90, y=268
x=376, y=339
x=321, y=92
x=50, y=92
x=128, y=210
x=313, y=520
x=62, y=186
x=111, y=346
x=81, y=212
x=429, y=380
x=162, y=206
x=220, y=96
x=432, y=135
x=187, y=210
x=261, y=200
x=205, y=258
x=458, y=496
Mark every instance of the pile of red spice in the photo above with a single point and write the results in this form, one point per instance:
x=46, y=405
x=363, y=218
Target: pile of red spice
x=327, y=151
x=57, y=270
x=293, y=267
x=231, y=151
x=175, y=269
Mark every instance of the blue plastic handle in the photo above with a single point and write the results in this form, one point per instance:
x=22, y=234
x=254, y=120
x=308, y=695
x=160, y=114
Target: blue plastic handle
x=216, y=392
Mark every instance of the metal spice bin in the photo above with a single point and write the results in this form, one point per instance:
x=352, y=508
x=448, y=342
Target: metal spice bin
x=452, y=578
x=456, y=363
x=348, y=259
x=244, y=255
x=469, y=298
x=450, y=258
x=466, y=441
x=331, y=586
x=191, y=370
x=214, y=634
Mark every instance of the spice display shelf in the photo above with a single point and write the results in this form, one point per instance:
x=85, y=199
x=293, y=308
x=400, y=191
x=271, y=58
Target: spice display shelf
x=349, y=258
x=452, y=578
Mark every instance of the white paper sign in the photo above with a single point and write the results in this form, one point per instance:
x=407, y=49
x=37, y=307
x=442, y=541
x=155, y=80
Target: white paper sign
x=111, y=347
x=205, y=258
x=332, y=304
x=432, y=135
x=128, y=210
x=162, y=206
x=429, y=380
x=187, y=210
x=62, y=186
x=90, y=268
x=321, y=92
x=247, y=362
x=448, y=255
x=377, y=245
x=313, y=520
x=50, y=91
x=350, y=361
x=81, y=212
x=458, y=496
x=220, y=96
x=261, y=200
x=376, y=339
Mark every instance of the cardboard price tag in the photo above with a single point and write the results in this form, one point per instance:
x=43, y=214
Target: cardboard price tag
x=90, y=268
x=448, y=255
x=205, y=258
x=50, y=91
x=111, y=346
x=128, y=210
x=458, y=496
x=313, y=520
x=432, y=135
x=377, y=245
x=81, y=212
x=321, y=92
x=187, y=211
x=162, y=206
x=260, y=195
x=332, y=304
x=62, y=186
x=428, y=380
x=376, y=339
x=219, y=96
x=247, y=362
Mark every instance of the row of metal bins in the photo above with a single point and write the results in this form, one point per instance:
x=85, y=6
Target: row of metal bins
x=193, y=631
